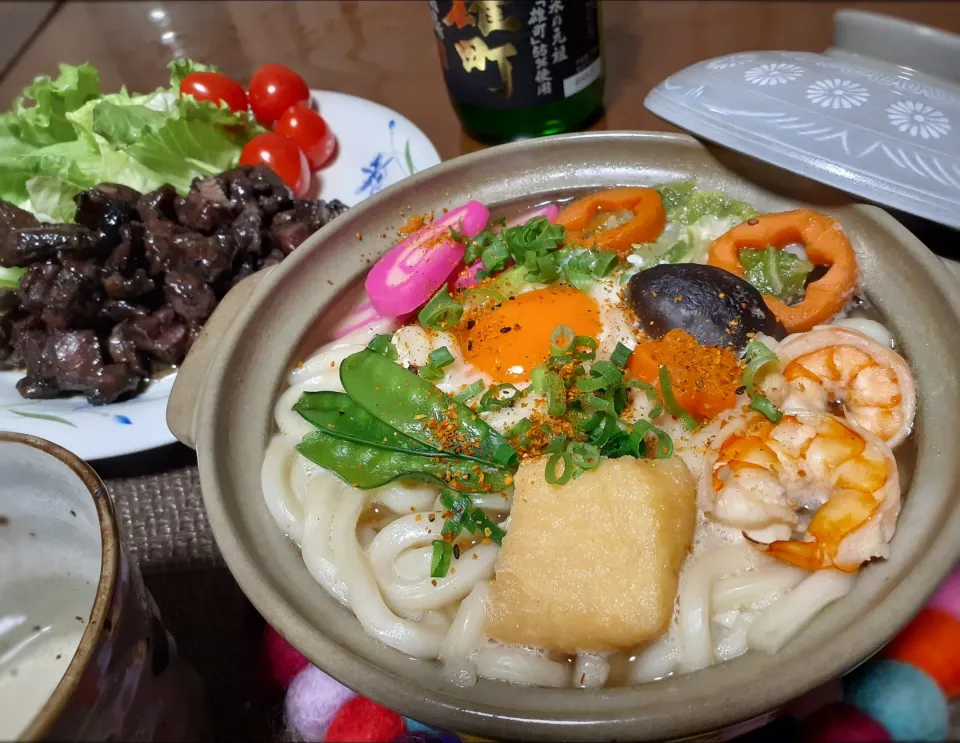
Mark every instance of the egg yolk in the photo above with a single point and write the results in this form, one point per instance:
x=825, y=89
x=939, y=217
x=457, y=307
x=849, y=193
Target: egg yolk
x=704, y=378
x=508, y=340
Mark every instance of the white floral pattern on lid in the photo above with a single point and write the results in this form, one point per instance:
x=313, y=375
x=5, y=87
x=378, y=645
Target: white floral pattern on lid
x=773, y=74
x=918, y=119
x=837, y=93
x=733, y=60
x=887, y=135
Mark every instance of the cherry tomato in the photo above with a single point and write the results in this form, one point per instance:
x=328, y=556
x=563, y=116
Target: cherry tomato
x=273, y=89
x=283, y=156
x=308, y=129
x=212, y=86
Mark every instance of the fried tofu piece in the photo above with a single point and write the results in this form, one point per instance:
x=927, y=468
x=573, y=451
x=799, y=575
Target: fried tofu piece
x=593, y=565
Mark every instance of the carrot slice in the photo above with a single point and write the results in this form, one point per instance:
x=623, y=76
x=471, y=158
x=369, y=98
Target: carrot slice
x=649, y=219
x=826, y=245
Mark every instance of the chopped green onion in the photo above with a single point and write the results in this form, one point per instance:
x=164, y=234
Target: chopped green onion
x=648, y=389
x=440, y=562
x=475, y=246
x=481, y=295
x=584, y=348
x=557, y=445
x=547, y=271
x=763, y=405
x=520, y=429
x=593, y=422
x=759, y=356
x=478, y=521
x=436, y=361
x=592, y=402
x=550, y=473
x=635, y=443
x=491, y=399
x=457, y=504
x=495, y=256
x=561, y=340
x=620, y=356
x=619, y=398
x=670, y=402
x=556, y=394
x=471, y=390
x=605, y=430
x=505, y=456
x=537, y=378
x=586, y=456
x=655, y=412
x=606, y=372
x=455, y=501
x=664, y=448
x=440, y=357
x=592, y=384
x=441, y=312
x=457, y=234
x=382, y=344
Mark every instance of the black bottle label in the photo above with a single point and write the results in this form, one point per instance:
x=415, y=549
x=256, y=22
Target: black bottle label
x=517, y=54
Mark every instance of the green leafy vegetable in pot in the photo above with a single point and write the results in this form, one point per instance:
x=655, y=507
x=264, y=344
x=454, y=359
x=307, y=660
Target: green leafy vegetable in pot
x=685, y=205
x=776, y=272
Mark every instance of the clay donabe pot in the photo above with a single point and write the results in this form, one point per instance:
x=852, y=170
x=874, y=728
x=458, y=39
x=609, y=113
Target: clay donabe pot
x=223, y=399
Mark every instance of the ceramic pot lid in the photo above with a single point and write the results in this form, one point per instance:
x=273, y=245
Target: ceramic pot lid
x=884, y=132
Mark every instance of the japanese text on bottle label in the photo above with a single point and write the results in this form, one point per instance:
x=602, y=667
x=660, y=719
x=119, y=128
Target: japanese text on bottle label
x=512, y=54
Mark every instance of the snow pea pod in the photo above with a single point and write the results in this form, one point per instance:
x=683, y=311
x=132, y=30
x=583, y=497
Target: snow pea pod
x=414, y=407
x=339, y=415
x=367, y=466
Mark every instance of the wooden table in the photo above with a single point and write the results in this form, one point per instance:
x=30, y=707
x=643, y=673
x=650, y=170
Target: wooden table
x=385, y=50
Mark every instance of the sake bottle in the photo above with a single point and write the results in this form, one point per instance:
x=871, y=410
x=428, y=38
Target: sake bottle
x=517, y=69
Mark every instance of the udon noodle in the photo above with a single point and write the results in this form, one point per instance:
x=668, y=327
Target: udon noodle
x=758, y=568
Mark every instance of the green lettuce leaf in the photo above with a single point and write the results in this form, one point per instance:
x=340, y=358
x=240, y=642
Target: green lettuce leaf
x=10, y=277
x=63, y=136
x=191, y=139
x=51, y=198
x=180, y=68
x=39, y=116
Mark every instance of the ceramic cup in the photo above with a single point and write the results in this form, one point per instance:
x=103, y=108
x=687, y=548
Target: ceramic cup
x=83, y=654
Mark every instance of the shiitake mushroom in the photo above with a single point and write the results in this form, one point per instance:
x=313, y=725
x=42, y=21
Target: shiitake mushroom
x=715, y=306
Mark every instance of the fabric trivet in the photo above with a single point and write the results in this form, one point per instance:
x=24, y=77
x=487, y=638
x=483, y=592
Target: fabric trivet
x=901, y=695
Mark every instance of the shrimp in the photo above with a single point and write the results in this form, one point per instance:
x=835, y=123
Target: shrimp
x=812, y=475
x=837, y=364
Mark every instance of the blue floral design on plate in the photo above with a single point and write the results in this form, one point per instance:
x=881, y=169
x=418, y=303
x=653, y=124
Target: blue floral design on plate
x=375, y=174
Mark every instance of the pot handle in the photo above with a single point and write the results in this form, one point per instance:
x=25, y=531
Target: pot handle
x=185, y=397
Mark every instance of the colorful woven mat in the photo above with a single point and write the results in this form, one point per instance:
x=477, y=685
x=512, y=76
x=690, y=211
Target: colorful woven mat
x=903, y=694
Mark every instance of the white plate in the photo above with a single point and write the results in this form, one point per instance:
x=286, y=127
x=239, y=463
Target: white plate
x=376, y=147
